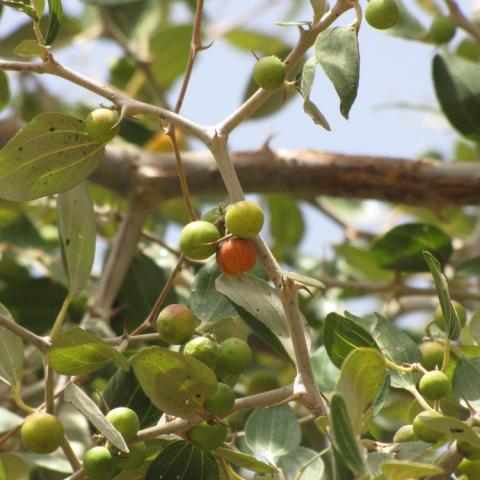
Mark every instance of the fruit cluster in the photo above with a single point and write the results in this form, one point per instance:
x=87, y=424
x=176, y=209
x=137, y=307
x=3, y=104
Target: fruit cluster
x=235, y=253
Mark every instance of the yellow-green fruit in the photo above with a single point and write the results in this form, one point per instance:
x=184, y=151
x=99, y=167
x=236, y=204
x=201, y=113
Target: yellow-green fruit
x=42, y=433
x=432, y=353
x=101, y=124
x=468, y=451
x=434, y=385
x=442, y=30
x=269, y=73
x=203, y=349
x=244, y=219
x=125, y=420
x=382, y=14
x=99, y=463
x=425, y=432
x=176, y=324
x=196, y=239
x=208, y=436
x=405, y=434
x=134, y=458
x=233, y=357
x=438, y=315
x=470, y=468
x=260, y=381
x=221, y=402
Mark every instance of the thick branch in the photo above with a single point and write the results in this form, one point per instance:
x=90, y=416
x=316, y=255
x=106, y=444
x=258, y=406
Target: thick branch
x=302, y=173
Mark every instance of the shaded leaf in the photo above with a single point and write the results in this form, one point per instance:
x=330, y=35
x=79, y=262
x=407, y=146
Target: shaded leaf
x=30, y=48
x=404, y=470
x=244, y=460
x=302, y=464
x=251, y=40
x=54, y=18
x=325, y=372
x=4, y=90
x=13, y=466
x=407, y=26
x=11, y=353
x=466, y=378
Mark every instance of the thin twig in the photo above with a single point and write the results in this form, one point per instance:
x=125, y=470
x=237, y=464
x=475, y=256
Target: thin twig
x=461, y=20
x=40, y=343
x=70, y=454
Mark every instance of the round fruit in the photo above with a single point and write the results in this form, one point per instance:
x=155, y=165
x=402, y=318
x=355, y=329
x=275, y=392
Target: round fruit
x=234, y=356
x=432, y=353
x=244, y=219
x=101, y=124
x=99, y=463
x=203, y=349
x=208, y=436
x=176, y=324
x=442, y=30
x=236, y=256
x=423, y=431
x=260, y=381
x=196, y=239
x=382, y=14
x=125, y=420
x=405, y=434
x=269, y=73
x=468, y=451
x=470, y=468
x=438, y=315
x=215, y=216
x=42, y=433
x=221, y=402
x=434, y=385
x=134, y=458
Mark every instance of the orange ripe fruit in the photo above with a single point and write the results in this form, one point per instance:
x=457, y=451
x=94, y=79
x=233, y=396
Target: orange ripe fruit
x=236, y=256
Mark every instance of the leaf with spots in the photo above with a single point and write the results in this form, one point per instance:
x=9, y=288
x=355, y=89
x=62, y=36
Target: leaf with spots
x=52, y=154
x=76, y=225
x=176, y=384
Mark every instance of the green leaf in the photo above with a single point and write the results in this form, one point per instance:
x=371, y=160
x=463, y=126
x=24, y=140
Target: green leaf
x=11, y=353
x=363, y=373
x=84, y=404
x=8, y=420
x=206, y=302
x=244, y=460
x=272, y=432
x=77, y=352
x=466, y=378
x=325, y=372
x=407, y=26
x=343, y=435
x=54, y=19
x=458, y=91
x=77, y=229
x=405, y=470
x=250, y=40
x=109, y=3
x=305, y=279
x=395, y=345
x=401, y=247
x=341, y=335
x=30, y=48
x=302, y=464
x=14, y=467
x=22, y=8
x=474, y=325
x=123, y=390
x=175, y=383
x=315, y=114
x=319, y=8
x=261, y=301
x=341, y=469
x=337, y=52
x=450, y=316
x=50, y=155
x=181, y=461
x=55, y=462
x=4, y=90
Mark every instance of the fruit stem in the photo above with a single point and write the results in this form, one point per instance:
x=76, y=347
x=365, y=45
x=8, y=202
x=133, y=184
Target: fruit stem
x=398, y=368
x=446, y=354
x=15, y=391
x=418, y=397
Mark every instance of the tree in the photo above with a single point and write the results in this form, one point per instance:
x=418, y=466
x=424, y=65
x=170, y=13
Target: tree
x=225, y=342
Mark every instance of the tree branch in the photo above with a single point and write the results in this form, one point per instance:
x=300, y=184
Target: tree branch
x=29, y=337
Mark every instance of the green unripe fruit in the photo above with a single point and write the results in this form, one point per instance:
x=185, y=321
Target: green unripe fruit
x=423, y=431
x=468, y=451
x=434, y=385
x=442, y=30
x=260, y=381
x=176, y=324
x=208, y=436
x=134, y=458
x=382, y=14
x=244, y=219
x=99, y=463
x=99, y=124
x=470, y=468
x=215, y=216
x=432, y=353
x=269, y=73
x=438, y=315
x=234, y=356
x=42, y=433
x=204, y=350
x=405, y=434
x=125, y=420
x=196, y=236
x=221, y=402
